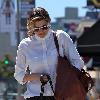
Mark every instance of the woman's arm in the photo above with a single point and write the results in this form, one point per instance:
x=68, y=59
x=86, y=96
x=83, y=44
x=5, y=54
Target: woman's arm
x=31, y=77
x=72, y=53
x=70, y=50
x=34, y=76
x=20, y=66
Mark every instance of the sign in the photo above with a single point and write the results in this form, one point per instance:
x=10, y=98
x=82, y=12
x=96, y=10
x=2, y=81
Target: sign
x=26, y=6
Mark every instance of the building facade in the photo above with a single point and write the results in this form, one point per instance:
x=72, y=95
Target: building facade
x=8, y=38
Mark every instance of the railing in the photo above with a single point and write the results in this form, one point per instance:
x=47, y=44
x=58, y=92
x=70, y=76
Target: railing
x=10, y=96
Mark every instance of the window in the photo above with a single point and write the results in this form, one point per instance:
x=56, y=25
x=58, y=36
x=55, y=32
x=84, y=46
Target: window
x=8, y=18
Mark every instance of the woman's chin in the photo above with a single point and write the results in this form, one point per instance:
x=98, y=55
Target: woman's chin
x=41, y=36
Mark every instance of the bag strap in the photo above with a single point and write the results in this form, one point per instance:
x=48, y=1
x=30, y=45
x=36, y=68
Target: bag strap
x=44, y=83
x=57, y=44
x=50, y=82
x=56, y=41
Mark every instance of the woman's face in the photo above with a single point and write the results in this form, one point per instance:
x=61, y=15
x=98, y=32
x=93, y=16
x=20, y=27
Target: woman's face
x=41, y=28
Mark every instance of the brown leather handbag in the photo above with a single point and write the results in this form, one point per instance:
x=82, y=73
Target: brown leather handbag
x=71, y=83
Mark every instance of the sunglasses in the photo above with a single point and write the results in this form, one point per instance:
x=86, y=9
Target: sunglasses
x=44, y=27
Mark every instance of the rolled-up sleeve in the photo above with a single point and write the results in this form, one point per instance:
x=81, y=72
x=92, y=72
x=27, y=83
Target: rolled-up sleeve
x=71, y=52
x=20, y=65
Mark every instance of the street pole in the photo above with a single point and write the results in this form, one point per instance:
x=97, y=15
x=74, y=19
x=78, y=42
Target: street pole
x=34, y=3
x=18, y=41
x=97, y=83
x=18, y=24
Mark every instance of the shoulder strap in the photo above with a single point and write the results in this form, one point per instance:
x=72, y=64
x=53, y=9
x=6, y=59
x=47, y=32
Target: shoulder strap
x=57, y=44
x=56, y=41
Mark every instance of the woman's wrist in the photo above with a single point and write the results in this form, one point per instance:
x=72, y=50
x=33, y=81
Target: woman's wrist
x=32, y=77
x=25, y=79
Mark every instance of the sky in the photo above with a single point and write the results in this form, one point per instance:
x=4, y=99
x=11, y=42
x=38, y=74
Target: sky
x=56, y=8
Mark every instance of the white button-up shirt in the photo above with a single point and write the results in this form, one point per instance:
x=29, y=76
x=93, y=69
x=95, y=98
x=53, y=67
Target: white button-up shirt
x=40, y=54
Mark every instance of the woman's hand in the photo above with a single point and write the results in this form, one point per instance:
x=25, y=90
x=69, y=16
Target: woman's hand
x=44, y=78
x=30, y=77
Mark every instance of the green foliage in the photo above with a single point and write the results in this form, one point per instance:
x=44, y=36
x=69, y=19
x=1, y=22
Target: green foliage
x=7, y=67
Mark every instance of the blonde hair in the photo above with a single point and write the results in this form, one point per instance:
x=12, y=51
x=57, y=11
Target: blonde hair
x=35, y=15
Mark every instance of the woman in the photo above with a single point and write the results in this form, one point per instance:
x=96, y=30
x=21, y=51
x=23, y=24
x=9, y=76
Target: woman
x=38, y=52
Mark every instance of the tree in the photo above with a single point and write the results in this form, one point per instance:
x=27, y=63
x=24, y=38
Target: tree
x=6, y=67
